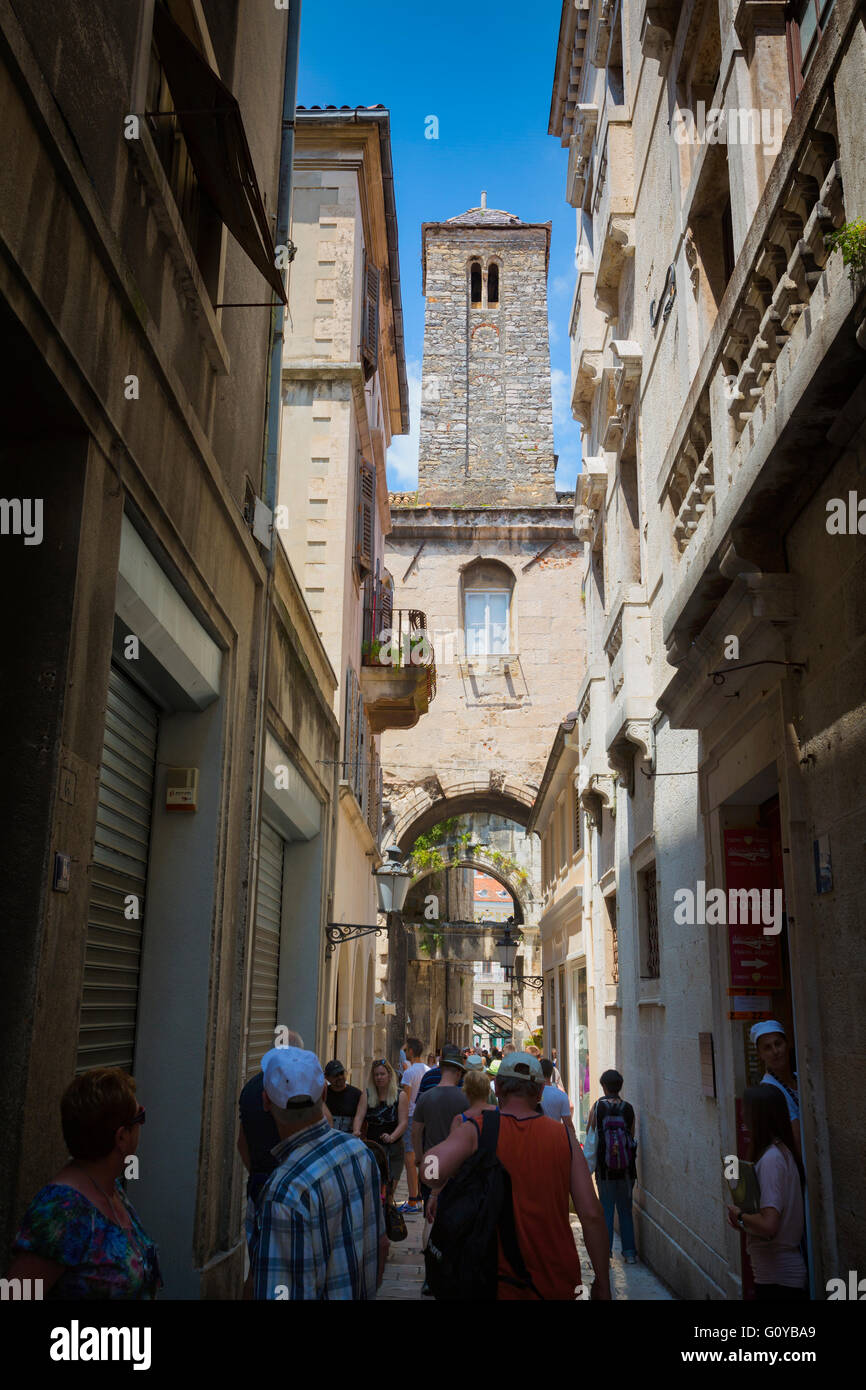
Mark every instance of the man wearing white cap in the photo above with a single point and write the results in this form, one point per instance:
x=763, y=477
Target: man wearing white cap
x=771, y=1045
x=319, y=1228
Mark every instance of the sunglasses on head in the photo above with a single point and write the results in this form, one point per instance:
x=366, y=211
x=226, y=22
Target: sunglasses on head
x=138, y=1119
x=382, y=1062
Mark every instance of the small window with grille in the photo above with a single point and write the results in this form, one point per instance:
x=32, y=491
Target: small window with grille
x=650, y=964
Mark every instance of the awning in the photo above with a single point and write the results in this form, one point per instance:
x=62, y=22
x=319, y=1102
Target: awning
x=210, y=119
x=491, y=1021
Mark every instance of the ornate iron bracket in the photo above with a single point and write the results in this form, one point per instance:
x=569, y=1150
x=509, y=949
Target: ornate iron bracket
x=534, y=981
x=338, y=932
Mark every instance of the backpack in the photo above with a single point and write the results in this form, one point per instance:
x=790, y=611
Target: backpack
x=616, y=1143
x=461, y=1258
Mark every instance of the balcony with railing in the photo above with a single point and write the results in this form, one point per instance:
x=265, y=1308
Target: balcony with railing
x=398, y=665
x=781, y=359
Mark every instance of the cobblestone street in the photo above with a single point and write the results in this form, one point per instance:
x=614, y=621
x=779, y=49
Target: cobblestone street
x=404, y=1272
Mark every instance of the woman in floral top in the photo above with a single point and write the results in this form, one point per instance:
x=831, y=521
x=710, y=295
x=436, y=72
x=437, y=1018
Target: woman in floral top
x=80, y=1235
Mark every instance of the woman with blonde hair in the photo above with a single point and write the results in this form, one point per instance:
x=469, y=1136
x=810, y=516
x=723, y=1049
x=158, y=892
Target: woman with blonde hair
x=384, y=1109
x=477, y=1090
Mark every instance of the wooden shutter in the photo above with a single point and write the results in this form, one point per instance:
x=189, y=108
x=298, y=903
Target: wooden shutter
x=386, y=608
x=577, y=809
x=109, y=1000
x=370, y=319
x=366, y=517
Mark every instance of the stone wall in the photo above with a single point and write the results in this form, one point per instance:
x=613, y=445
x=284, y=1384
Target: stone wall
x=486, y=410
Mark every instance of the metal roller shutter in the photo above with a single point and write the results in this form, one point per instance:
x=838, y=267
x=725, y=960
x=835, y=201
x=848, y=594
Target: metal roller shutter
x=109, y=1002
x=266, y=947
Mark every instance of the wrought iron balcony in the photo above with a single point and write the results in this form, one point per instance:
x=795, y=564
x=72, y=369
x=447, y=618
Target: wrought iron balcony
x=398, y=665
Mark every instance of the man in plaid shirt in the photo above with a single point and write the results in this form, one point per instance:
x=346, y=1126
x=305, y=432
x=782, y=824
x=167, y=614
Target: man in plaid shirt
x=319, y=1227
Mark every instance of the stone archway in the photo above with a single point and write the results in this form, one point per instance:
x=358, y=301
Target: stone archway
x=411, y=811
x=510, y=876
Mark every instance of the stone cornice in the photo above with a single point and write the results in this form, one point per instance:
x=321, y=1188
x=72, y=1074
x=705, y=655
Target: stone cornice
x=481, y=523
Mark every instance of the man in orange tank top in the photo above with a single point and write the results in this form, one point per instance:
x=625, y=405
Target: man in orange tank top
x=546, y=1168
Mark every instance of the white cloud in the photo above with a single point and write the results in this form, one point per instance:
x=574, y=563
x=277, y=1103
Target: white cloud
x=560, y=387
x=402, y=458
x=561, y=286
x=553, y=331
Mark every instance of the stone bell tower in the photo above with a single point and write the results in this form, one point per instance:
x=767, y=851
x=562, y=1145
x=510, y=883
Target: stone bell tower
x=486, y=408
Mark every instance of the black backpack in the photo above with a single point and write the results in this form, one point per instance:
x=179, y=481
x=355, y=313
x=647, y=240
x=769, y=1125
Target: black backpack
x=461, y=1257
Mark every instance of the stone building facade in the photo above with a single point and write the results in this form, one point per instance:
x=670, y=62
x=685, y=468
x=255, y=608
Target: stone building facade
x=716, y=345
x=135, y=932
x=344, y=397
x=484, y=550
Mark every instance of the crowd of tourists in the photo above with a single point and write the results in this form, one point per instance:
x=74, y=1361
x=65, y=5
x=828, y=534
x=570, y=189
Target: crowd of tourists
x=493, y=1162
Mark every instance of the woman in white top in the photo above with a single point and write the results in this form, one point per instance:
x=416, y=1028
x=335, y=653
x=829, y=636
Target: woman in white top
x=775, y=1232
x=773, y=1051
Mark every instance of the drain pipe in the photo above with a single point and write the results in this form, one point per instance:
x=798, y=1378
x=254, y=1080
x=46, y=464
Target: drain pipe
x=272, y=439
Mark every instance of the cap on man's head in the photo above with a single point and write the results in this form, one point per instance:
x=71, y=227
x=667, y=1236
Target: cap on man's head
x=293, y=1078
x=769, y=1025
x=474, y=1062
x=520, y=1066
x=452, y=1057
x=334, y=1068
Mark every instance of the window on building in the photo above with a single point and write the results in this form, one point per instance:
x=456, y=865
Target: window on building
x=649, y=924
x=487, y=967
x=563, y=834
x=488, y=617
x=576, y=821
x=475, y=284
x=806, y=25
x=487, y=997
x=365, y=517
x=200, y=219
x=615, y=77
x=492, y=285
x=612, y=943
x=486, y=622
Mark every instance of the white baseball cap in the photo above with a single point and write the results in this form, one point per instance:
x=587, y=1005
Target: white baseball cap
x=293, y=1077
x=769, y=1025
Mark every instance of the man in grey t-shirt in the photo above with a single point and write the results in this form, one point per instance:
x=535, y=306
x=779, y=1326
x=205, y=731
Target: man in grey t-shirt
x=435, y=1110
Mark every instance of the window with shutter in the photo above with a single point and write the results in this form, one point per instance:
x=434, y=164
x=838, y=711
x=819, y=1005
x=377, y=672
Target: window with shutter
x=359, y=781
x=366, y=517
x=350, y=733
x=370, y=319
x=576, y=821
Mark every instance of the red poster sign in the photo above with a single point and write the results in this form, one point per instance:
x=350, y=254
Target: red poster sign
x=756, y=959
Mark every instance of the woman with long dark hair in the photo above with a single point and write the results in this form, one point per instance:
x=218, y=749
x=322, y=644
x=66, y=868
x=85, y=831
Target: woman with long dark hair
x=775, y=1232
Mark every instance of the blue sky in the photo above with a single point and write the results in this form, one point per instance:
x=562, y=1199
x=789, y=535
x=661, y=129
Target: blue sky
x=486, y=71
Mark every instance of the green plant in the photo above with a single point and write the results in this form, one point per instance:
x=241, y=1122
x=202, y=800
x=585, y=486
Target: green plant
x=850, y=239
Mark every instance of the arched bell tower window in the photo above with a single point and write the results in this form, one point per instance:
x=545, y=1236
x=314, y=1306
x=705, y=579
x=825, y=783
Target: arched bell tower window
x=475, y=284
x=493, y=286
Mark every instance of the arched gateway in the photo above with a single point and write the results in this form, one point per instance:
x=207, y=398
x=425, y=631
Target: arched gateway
x=485, y=550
